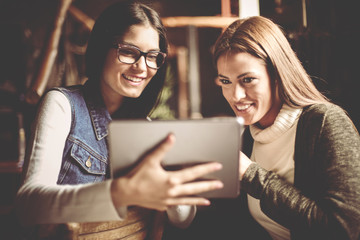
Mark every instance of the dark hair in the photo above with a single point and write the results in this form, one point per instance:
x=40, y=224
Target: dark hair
x=113, y=23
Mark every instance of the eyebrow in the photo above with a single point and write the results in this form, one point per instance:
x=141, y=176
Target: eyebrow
x=240, y=76
x=130, y=44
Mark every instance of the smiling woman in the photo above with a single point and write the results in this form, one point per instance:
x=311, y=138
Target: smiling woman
x=128, y=79
x=247, y=87
x=67, y=164
x=300, y=168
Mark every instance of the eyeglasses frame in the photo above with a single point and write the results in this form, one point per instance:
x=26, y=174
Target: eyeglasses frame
x=117, y=46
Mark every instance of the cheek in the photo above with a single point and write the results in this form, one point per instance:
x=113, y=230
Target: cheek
x=226, y=94
x=151, y=73
x=267, y=97
x=265, y=103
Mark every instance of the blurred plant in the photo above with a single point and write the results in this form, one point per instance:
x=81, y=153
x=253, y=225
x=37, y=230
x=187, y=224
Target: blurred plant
x=163, y=110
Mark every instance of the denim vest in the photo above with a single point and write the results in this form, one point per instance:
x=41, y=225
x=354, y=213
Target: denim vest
x=85, y=157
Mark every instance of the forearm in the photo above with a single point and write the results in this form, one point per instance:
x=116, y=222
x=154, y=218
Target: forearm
x=332, y=213
x=279, y=200
x=44, y=204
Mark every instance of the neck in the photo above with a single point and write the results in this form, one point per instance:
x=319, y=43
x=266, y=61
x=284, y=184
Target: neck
x=112, y=100
x=270, y=116
x=112, y=104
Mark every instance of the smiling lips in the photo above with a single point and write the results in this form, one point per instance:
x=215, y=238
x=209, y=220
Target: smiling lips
x=133, y=80
x=243, y=107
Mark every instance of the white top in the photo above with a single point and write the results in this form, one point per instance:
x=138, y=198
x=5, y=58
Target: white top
x=41, y=200
x=273, y=150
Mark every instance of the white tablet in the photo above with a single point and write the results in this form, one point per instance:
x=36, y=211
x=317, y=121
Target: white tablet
x=197, y=141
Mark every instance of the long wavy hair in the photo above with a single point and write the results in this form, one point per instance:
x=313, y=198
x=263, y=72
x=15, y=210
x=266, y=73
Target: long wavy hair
x=113, y=23
x=262, y=38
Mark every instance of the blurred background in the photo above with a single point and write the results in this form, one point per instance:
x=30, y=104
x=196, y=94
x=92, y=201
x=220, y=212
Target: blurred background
x=43, y=42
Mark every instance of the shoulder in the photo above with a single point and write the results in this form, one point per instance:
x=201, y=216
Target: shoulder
x=54, y=98
x=322, y=108
x=73, y=94
x=55, y=102
x=75, y=89
x=323, y=112
x=326, y=117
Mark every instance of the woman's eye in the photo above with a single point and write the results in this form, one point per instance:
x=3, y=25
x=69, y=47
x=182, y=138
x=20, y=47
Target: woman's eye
x=224, y=81
x=127, y=52
x=152, y=56
x=247, y=80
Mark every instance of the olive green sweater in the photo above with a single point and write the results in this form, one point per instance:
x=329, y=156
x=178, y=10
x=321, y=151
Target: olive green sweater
x=324, y=202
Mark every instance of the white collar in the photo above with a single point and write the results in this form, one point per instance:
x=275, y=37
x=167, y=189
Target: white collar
x=286, y=118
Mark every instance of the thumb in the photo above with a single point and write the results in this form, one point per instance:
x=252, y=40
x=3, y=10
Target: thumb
x=157, y=154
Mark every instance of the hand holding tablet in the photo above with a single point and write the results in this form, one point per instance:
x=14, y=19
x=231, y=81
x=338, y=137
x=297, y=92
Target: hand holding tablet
x=197, y=141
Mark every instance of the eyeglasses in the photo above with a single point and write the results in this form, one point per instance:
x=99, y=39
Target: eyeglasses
x=130, y=54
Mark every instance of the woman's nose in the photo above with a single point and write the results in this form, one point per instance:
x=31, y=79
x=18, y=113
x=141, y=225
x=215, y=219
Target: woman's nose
x=238, y=92
x=141, y=63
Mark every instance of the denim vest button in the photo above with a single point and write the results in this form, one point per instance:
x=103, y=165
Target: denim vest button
x=88, y=162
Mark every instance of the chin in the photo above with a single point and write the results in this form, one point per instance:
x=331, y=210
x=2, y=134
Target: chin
x=247, y=120
x=133, y=95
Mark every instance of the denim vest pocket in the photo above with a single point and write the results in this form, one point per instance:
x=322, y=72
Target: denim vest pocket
x=83, y=166
x=89, y=160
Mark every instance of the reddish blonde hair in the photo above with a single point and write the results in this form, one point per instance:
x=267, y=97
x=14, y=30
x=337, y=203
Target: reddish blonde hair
x=264, y=39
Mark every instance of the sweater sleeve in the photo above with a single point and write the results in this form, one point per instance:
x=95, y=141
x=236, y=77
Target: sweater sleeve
x=324, y=203
x=40, y=199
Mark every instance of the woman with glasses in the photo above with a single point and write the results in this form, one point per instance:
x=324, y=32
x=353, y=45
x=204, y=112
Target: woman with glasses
x=67, y=179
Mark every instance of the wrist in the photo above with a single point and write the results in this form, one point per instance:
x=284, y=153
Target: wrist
x=119, y=193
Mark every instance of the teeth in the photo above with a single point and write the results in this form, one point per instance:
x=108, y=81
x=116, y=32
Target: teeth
x=133, y=79
x=243, y=107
